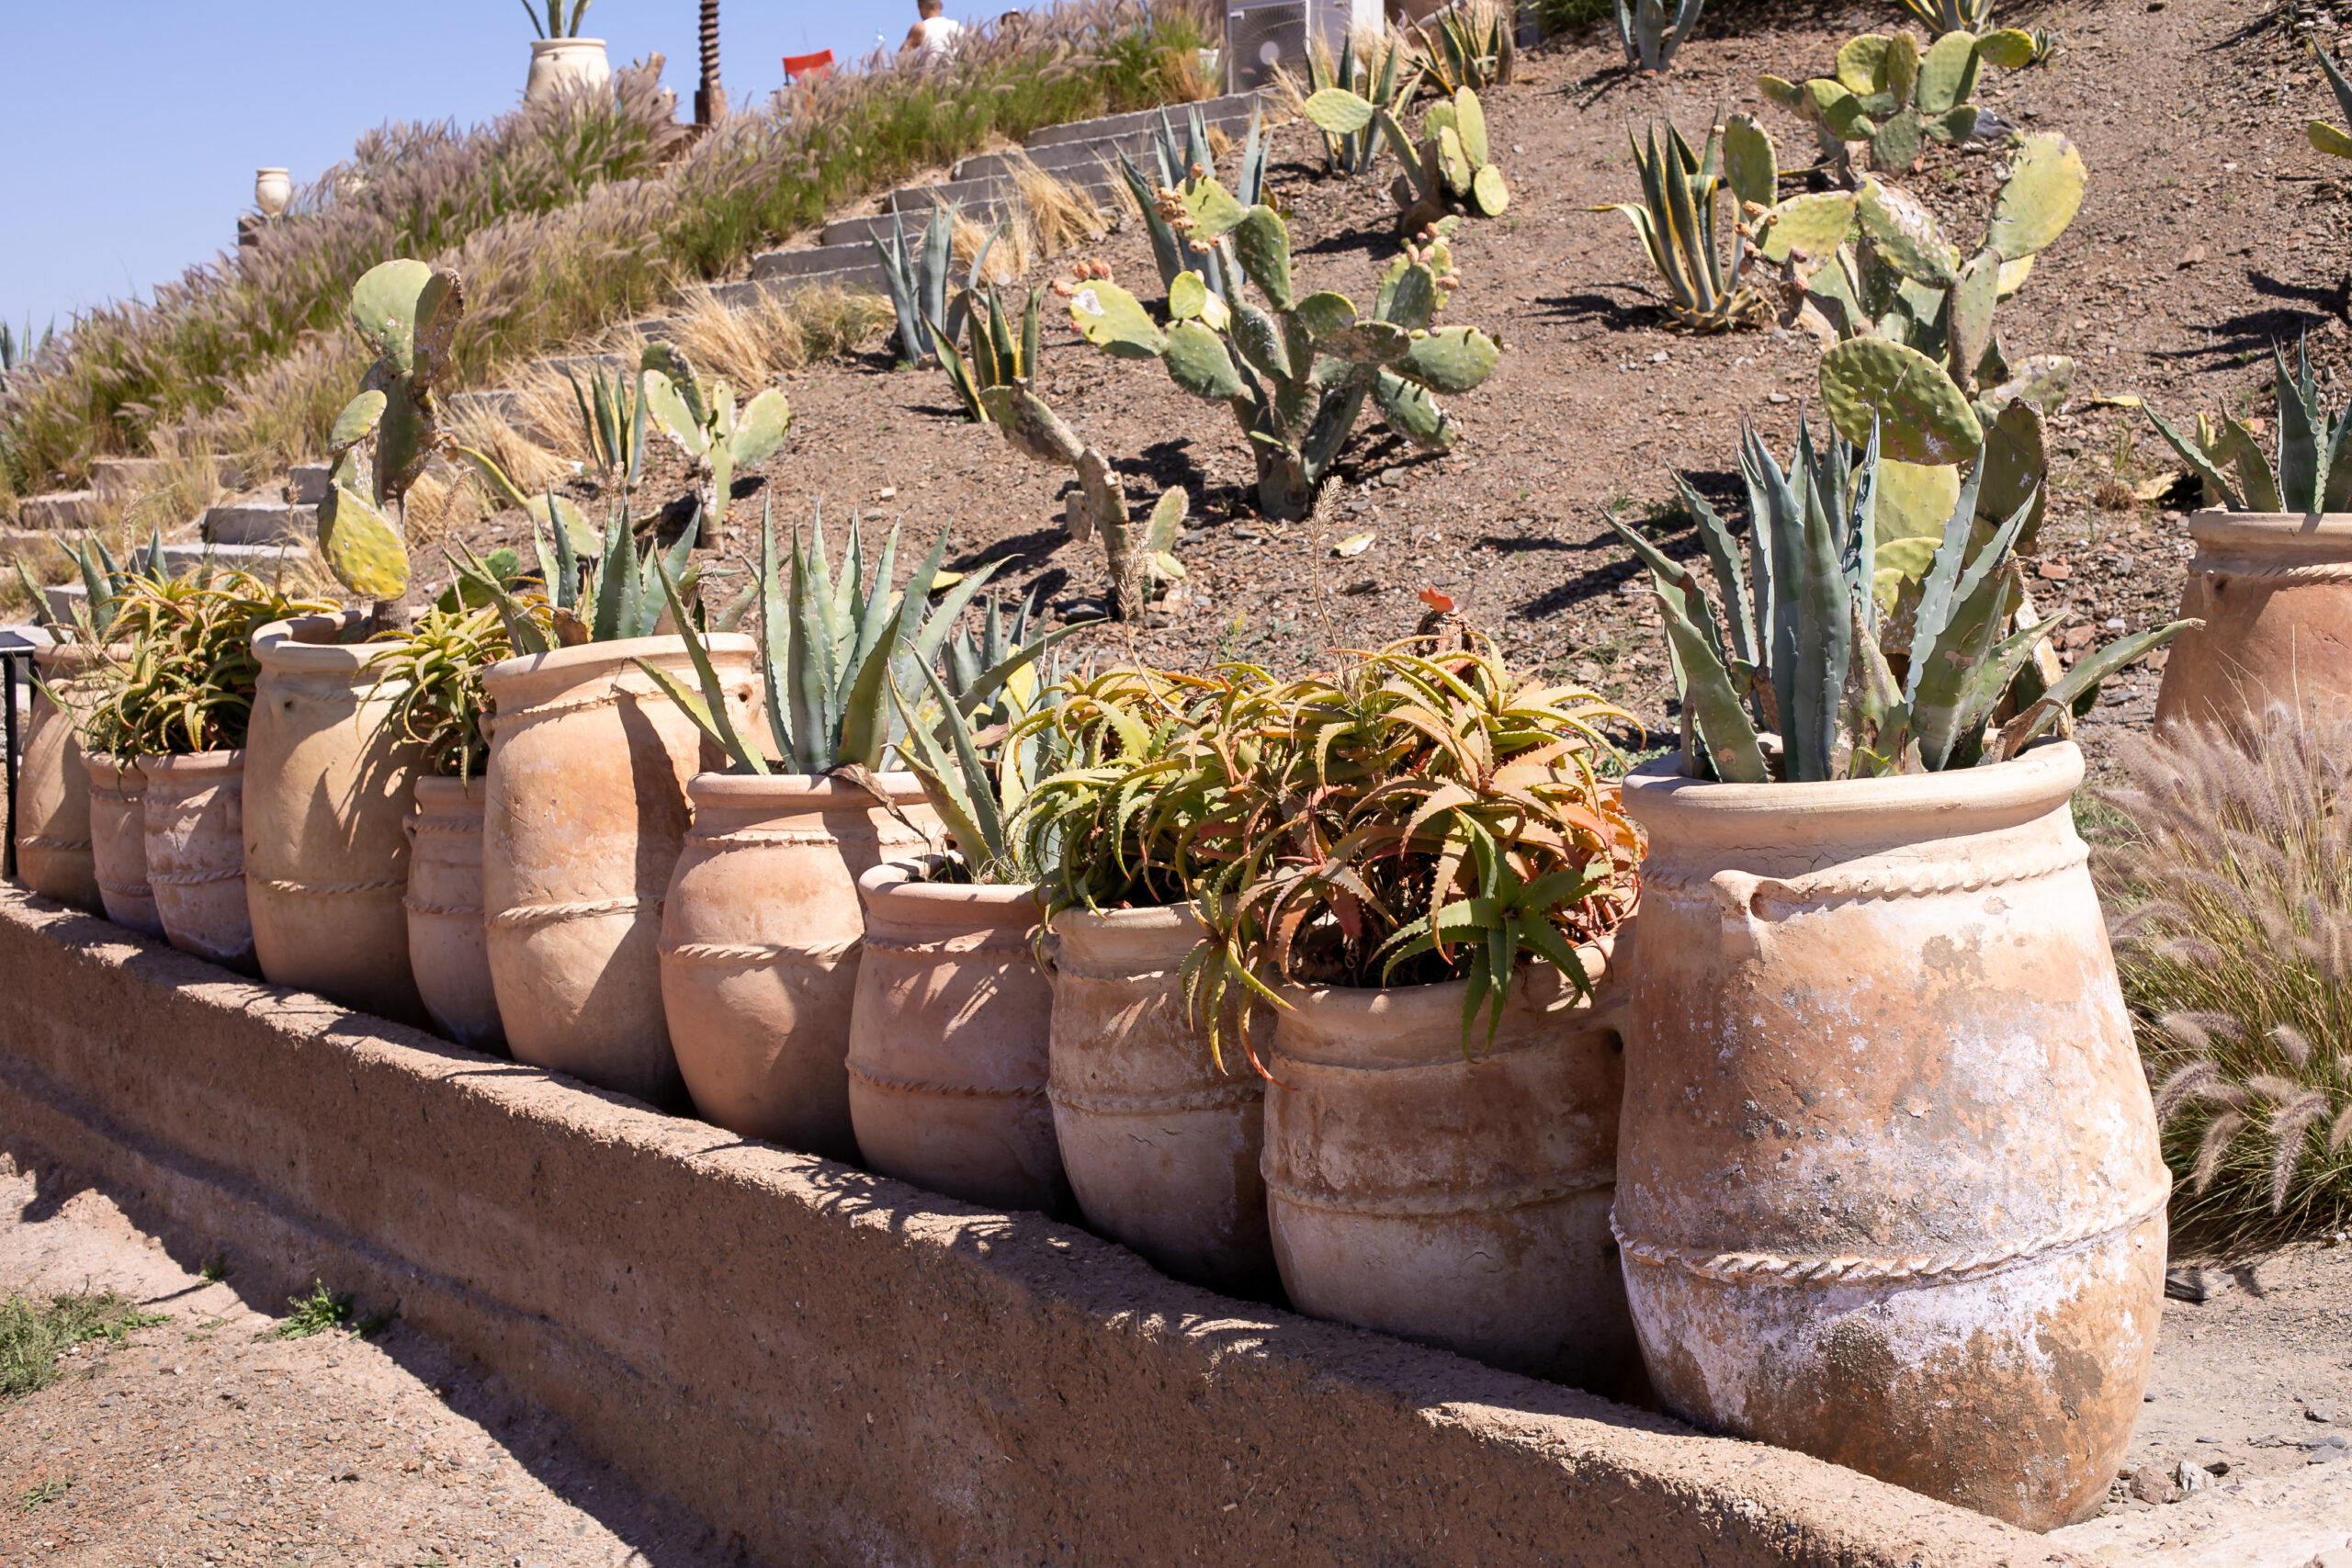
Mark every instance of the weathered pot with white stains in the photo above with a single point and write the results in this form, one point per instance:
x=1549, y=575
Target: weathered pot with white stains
x=327, y=795
x=1889, y=1190
x=2275, y=593
x=118, y=843
x=445, y=948
x=587, y=811
x=1463, y=1203
x=194, y=809
x=761, y=942
x=53, y=787
x=1161, y=1146
x=948, y=1040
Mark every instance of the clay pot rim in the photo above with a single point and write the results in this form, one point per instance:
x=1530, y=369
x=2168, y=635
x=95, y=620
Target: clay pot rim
x=2310, y=536
x=564, y=667
x=108, y=770
x=968, y=903
x=1944, y=804
x=73, y=657
x=193, y=764
x=824, y=791
x=1382, y=1028
x=550, y=45
x=303, y=645
x=1167, y=919
x=442, y=791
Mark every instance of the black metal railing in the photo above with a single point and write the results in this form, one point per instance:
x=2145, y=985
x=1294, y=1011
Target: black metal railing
x=16, y=671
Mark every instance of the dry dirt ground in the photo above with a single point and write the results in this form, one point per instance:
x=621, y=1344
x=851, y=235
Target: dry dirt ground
x=206, y=1441
x=2211, y=230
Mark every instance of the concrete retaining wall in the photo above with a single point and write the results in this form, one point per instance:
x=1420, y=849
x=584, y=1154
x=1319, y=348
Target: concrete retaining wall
x=843, y=1369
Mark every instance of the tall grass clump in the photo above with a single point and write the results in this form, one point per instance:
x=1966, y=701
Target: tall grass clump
x=2232, y=893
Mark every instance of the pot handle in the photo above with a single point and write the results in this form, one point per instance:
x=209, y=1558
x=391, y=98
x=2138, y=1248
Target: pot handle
x=1746, y=933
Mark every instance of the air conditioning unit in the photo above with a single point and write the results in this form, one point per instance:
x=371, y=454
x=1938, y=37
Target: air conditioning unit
x=1259, y=37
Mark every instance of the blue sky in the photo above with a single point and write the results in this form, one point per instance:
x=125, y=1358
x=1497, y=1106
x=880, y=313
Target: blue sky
x=133, y=129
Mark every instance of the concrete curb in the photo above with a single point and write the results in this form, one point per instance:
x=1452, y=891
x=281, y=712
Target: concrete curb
x=839, y=1368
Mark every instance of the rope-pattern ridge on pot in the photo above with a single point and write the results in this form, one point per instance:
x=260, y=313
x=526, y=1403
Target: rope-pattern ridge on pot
x=329, y=889
x=525, y=915
x=604, y=699
x=758, y=952
x=1732, y=1268
x=2273, y=576
x=445, y=827
x=128, y=889
x=194, y=879
x=891, y=1084
x=41, y=841
x=1210, y=1096
x=753, y=838
x=1527, y=1195
x=451, y=911
x=1922, y=880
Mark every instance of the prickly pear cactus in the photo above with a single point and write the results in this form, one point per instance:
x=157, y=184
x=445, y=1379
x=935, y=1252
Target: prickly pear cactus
x=407, y=313
x=703, y=420
x=1892, y=97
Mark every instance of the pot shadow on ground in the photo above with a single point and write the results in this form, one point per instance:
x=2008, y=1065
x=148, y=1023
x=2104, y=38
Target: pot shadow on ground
x=660, y=1532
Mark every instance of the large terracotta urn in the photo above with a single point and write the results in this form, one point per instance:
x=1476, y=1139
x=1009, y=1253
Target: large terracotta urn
x=1161, y=1146
x=2275, y=593
x=327, y=794
x=194, y=816
x=560, y=65
x=586, y=815
x=948, y=1040
x=446, y=952
x=1888, y=1188
x=761, y=937
x=118, y=842
x=53, y=787
x=1460, y=1202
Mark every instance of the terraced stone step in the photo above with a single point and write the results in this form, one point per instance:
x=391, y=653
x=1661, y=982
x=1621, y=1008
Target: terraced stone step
x=1223, y=113
x=834, y=263
x=61, y=511
x=258, y=521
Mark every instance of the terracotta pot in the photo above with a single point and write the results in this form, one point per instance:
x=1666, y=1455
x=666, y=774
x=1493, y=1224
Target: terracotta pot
x=2275, y=593
x=445, y=948
x=53, y=787
x=194, y=809
x=586, y=814
x=761, y=939
x=566, y=64
x=947, y=1040
x=1161, y=1148
x=118, y=843
x=327, y=793
x=1462, y=1203
x=1889, y=1190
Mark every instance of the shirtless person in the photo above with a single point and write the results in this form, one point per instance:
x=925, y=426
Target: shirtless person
x=933, y=38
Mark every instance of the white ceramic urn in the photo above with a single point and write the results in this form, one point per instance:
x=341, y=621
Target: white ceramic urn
x=560, y=64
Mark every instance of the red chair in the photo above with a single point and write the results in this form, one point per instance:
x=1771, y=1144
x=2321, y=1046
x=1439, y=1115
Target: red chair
x=798, y=65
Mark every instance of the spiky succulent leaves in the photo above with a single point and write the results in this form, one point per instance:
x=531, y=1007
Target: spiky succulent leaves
x=1650, y=33
x=1168, y=250
x=2302, y=425
x=709, y=707
x=960, y=373
x=2257, y=482
x=1824, y=645
x=2083, y=679
x=1731, y=579
x=1779, y=533
x=960, y=790
x=1955, y=629
x=523, y=631
x=618, y=592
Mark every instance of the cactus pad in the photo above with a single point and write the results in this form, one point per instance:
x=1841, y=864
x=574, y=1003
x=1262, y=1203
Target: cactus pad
x=383, y=309
x=1451, y=162
x=1412, y=413
x=2016, y=463
x=358, y=421
x=1197, y=361
x=361, y=545
x=1968, y=324
x=1324, y=312
x=440, y=307
x=1905, y=234
x=1412, y=299
x=1946, y=73
x=2041, y=379
x=1842, y=112
x=1813, y=225
x=670, y=361
x=1262, y=247
x=1113, y=321
x=2009, y=48
x=1452, y=360
x=1187, y=294
x=670, y=410
x=1783, y=91
x=2043, y=193
x=1335, y=112
x=1861, y=65
x=1489, y=194
x=1895, y=145
x=1470, y=125
x=1913, y=501
x=1214, y=211
x=2326, y=138
x=1749, y=166
x=1366, y=342
x=759, y=430
x=1921, y=415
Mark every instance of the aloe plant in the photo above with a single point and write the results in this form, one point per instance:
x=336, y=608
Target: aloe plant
x=103, y=585
x=1298, y=370
x=829, y=643
x=2308, y=469
x=408, y=315
x=1447, y=167
x=1650, y=30
x=1891, y=94
x=917, y=282
x=1797, y=641
x=702, y=419
x=611, y=596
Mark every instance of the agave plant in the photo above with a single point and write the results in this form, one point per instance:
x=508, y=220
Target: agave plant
x=2231, y=889
x=2308, y=469
x=999, y=356
x=1682, y=194
x=558, y=24
x=611, y=596
x=180, y=672
x=828, y=645
x=1798, y=642
x=1416, y=818
x=612, y=424
x=1383, y=75
x=103, y=585
x=1469, y=44
x=917, y=282
x=1174, y=250
x=1941, y=16
x=2331, y=140
x=1650, y=31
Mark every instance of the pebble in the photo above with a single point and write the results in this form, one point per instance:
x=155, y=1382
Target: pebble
x=1776, y=397
x=2322, y=1410
x=2151, y=1484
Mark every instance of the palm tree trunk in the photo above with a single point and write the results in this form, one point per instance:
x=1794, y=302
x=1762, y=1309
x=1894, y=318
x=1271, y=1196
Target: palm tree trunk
x=710, y=98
